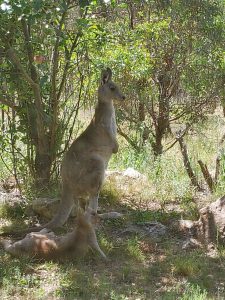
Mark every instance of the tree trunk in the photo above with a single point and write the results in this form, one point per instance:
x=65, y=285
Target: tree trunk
x=162, y=123
x=157, y=144
x=43, y=166
x=141, y=111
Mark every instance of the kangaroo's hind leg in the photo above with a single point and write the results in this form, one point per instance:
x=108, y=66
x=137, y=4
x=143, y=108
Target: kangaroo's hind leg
x=64, y=209
x=93, y=243
x=93, y=201
x=94, y=181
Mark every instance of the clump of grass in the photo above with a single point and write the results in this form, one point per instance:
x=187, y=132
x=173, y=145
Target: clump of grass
x=12, y=211
x=169, y=177
x=190, y=208
x=189, y=265
x=126, y=274
x=106, y=244
x=188, y=291
x=194, y=292
x=128, y=157
x=13, y=216
x=31, y=192
x=134, y=249
x=109, y=194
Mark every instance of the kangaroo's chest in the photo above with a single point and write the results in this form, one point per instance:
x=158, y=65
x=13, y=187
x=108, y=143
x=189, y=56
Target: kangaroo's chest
x=109, y=126
x=113, y=125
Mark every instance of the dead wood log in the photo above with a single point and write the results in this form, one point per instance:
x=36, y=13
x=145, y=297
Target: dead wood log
x=210, y=228
x=207, y=176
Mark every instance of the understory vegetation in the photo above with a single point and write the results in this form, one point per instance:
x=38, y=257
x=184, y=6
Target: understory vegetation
x=168, y=58
x=138, y=267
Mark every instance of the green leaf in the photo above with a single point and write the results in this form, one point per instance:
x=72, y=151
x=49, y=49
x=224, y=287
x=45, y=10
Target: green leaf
x=37, y=5
x=82, y=23
x=84, y=3
x=43, y=80
x=64, y=6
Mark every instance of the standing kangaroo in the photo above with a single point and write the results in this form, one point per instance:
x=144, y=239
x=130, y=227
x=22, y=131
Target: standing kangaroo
x=83, y=167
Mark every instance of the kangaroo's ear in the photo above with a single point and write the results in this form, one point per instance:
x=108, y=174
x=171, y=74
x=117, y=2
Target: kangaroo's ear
x=106, y=75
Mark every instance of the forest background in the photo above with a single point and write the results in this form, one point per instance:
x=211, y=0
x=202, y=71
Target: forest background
x=168, y=58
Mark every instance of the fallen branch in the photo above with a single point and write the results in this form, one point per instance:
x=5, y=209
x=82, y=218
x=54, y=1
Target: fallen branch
x=207, y=176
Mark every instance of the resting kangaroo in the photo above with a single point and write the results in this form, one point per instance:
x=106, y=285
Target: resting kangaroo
x=83, y=167
x=47, y=245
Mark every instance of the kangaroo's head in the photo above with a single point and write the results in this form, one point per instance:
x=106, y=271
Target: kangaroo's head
x=108, y=90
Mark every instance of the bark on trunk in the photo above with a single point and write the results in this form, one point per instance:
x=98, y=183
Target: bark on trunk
x=162, y=124
x=141, y=111
x=43, y=165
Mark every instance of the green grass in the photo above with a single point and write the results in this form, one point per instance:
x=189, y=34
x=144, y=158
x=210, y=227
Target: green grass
x=134, y=250
x=190, y=292
x=194, y=292
x=187, y=265
x=167, y=175
x=109, y=194
x=139, y=216
x=138, y=267
x=10, y=211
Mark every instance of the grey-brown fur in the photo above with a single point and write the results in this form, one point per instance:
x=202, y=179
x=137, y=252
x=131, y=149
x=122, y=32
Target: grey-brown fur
x=83, y=167
x=47, y=245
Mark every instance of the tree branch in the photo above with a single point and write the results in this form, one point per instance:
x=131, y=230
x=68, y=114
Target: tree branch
x=15, y=60
x=67, y=65
x=6, y=101
x=53, y=97
x=206, y=175
x=129, y=140
x=34, y=81
x=187, y=163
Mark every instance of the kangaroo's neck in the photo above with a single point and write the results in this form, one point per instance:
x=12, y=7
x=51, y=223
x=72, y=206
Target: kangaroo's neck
x=104, y=113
